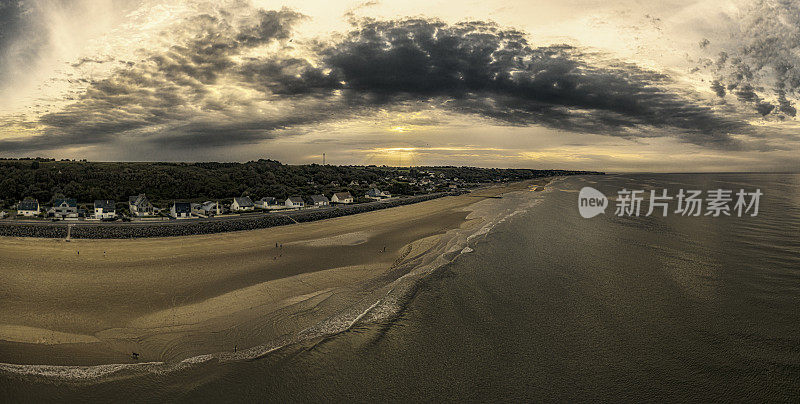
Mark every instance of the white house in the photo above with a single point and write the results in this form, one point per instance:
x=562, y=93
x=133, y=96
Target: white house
x=267, y=202
x=105, y=209
x=140, y=206
x=320, y=200
x=210, y=208
x=181, y=210
x=342, y=197
x=242, y=204
x=375, y=193
x=294, y=202
x=28, y=207
x=65, y=208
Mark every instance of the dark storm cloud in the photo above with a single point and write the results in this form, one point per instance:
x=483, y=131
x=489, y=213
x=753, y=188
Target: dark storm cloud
x=216, y=134
x=718, y=88
x=16, y=22
x=495, y=72
x=163, y=90
x=11, y=19
x=762, y=61
x=292, y=76
x=85, y=60
x=166, y=98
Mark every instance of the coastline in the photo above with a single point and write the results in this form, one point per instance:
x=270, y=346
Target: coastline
x=166, y=298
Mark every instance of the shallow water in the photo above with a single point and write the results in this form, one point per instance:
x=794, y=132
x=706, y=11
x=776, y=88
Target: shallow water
x=547, y=306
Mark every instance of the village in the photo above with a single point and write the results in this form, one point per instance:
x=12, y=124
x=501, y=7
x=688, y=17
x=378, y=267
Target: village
x=140, y=208
x=44, y=190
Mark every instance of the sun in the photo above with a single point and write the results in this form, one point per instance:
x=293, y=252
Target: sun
x=400, y=129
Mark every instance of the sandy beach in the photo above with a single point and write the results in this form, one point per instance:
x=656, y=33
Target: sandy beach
x=88, y=302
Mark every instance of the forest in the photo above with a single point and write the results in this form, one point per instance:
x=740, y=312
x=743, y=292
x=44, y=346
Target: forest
x=45, y=179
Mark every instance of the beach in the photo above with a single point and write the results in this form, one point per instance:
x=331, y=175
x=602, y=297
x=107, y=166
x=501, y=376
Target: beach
x=163, y=300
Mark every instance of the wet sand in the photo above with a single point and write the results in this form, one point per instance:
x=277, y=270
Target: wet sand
x=88, y=302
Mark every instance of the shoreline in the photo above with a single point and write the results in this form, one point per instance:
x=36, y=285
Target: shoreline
x=219, y=314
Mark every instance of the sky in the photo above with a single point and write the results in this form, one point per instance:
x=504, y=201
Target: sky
x=632, y=85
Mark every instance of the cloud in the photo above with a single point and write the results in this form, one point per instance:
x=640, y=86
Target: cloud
x=235, y=78
x=16, y=21
x=761, y=62
x=164, y=90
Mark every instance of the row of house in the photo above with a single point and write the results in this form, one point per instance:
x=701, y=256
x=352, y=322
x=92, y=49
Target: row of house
x=140, y=206
x=244, y=203
x=67, y=208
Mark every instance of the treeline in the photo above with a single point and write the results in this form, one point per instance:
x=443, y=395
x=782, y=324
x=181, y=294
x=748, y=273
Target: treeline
x=45, y=179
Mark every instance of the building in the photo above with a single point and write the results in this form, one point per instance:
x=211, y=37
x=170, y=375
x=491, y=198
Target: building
x=342, y=197
x=267, y=203
x=105, y=209
x=211, y=208
x=65, y=208
x=242, y=204
x=376, y=194
x=294, y=202
x=140, y=206
x=28, y=207
x=320, y=200
x=181, y=210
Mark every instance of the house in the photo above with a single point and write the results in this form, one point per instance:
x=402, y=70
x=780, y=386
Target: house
x=197, y=209
x=374, y=193
x=140, y=206
x=28, y=207
x=320, y=200
x=65, y=208
x=342, y=197
x=267, y=202
x=242, y=204
x=210, y=208
x=294, y=202
x=105, y=209
x=181, y=210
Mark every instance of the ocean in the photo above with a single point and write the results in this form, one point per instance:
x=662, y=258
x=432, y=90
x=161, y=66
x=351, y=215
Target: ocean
x=541, y=304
